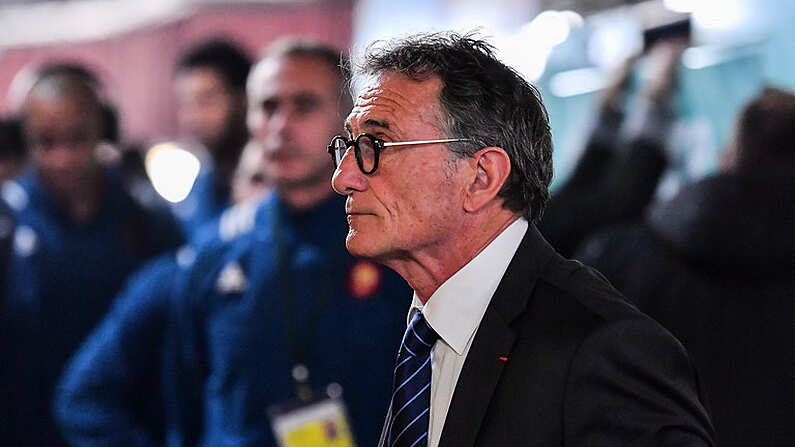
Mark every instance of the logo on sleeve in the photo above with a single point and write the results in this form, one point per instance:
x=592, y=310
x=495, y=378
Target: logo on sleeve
x=26, y=242
x=231, y=279
x=14, y=194
x=185, y=256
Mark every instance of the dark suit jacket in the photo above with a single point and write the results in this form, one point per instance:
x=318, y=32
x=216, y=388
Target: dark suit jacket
x=584, y=367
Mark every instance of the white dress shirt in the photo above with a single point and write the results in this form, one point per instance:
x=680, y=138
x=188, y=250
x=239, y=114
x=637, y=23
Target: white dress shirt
x=454, y=311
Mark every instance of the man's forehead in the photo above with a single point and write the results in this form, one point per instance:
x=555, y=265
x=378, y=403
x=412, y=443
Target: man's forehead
x=290, y=75
x=70, y=105
x=261, y=71
x=396, y=86
x=202, y=72
x=385, y=97
x=200, y=77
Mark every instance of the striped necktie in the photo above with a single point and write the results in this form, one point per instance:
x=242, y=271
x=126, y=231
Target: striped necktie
x=411, y=395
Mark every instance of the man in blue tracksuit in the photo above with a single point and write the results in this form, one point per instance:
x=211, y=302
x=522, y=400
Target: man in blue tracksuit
x=270, y=290
x=286, y=294
x=210, y=87
x=112, y=392
x=78, y=235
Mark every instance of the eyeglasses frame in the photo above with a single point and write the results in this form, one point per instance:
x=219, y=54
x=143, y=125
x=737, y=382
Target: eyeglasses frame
x=378, y=146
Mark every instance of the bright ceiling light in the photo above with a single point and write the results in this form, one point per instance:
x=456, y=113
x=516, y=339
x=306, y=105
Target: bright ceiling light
x=172, y=171
x=576, y=82
x=575, y=20
x=718, y=14
x=528, y=50
x=696, y=58
x=614, y=39
x=525, y=56
x=533, y=64
x=549, y=28
x=682, y=6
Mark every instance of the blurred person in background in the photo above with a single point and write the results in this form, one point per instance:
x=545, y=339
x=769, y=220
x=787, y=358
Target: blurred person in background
x=210, y=87
x=266, y=317
x=12, y=162
x=111, y=393
x=78, y=235
x=617, y=174
x=110, y=133
x=716, y=266
x=12, y=149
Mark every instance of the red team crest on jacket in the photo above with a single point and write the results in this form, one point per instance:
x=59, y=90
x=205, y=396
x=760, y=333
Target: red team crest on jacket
x=363, y=280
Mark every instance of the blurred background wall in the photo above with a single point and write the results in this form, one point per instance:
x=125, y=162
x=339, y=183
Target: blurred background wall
x=133, y=44
x=566, y=47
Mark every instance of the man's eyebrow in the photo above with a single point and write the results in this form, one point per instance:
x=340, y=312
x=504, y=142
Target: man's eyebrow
x=370, y=122
x=375, y=123
x=304, y=96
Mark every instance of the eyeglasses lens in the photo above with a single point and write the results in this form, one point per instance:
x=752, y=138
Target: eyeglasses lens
x=367, y=151
x=339, y=150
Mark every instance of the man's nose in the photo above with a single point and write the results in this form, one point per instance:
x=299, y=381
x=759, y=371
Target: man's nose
x=189, y=118
x=283, y=121
x=63, y=156
x=279, y=125
x=348, y=177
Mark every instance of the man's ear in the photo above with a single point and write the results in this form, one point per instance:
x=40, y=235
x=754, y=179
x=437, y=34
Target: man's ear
x=491, y=168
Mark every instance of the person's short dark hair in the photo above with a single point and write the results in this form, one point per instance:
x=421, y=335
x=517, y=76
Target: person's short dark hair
x=483, y=100
x=73, y=80
x=765, y=133
x=12, y=144
x=287, y=47
x=110, y=123
x=81, y=74
x=224, y=57
x=73, y=70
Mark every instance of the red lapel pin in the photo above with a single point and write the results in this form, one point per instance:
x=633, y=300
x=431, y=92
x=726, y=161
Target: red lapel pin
x=504, y=359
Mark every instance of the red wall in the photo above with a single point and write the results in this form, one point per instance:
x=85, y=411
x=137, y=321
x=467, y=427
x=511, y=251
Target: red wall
x=136, y=67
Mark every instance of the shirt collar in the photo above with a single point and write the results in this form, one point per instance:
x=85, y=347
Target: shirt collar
x=454, y=311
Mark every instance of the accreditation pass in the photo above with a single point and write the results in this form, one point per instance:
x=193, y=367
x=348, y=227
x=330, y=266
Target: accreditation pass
x=322, y=423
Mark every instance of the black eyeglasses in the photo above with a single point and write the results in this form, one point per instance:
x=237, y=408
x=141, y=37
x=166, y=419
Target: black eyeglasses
x=367, y=149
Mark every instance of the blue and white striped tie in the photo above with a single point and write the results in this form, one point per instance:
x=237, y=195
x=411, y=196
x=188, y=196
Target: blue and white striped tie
x=411, y=389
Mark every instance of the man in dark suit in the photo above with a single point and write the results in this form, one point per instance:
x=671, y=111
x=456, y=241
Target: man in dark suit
x=445, y=170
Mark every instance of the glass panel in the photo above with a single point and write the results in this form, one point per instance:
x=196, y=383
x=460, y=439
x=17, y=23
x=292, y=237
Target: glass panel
x=367, y=149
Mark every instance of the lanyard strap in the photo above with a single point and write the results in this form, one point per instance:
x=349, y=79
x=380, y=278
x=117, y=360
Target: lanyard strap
x=300, y=339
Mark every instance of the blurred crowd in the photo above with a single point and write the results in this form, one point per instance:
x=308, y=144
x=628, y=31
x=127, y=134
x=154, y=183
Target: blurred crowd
x=130, y=321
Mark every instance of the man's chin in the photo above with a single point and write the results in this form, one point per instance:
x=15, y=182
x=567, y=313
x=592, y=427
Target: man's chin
x=357, y=245
x=297, y=177
x=286, y=178
x=76, y=184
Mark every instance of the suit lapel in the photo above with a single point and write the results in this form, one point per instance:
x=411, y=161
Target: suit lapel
x=477, y=381
x=494, y=339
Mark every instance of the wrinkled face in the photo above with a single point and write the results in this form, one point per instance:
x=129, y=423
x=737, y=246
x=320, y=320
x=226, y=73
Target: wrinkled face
x=293, y=113
x=412, y=203
x=205, y=105
x=62, y=134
